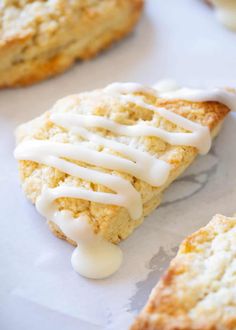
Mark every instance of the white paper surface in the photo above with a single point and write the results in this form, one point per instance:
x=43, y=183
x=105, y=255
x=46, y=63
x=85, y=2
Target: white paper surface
x=38, y=288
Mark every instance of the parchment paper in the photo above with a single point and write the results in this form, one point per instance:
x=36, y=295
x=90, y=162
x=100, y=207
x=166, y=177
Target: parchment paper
x=38, y=288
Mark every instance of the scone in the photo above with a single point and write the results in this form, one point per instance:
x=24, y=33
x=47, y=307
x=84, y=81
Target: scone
x=225, y=12
x=198, y=291
x=107, y=156
x=41, y=38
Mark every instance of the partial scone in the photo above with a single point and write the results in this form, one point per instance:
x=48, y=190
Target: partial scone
x=41, y=38
x=108, y=155
x=198, y=291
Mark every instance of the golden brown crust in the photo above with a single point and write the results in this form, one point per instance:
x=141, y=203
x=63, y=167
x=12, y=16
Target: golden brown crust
x=114, y=222
x=26, y=59
x=197, y=291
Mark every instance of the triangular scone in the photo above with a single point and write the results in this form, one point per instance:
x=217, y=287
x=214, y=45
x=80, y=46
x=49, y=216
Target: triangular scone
x=123, y=106
x=41, y=38
x=198, y=290
x=101, y=160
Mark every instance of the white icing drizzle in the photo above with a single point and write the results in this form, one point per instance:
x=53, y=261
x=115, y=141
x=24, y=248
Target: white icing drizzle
x=197, y=95
x=194, y=139
x=166, y=85
x=50, y=153
x=169, y=90
x=93, y=256
x=226, y=12
x=157, y=170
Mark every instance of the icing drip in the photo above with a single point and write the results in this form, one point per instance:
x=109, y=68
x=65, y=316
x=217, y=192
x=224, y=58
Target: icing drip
x=95, y=257
x=226, y=12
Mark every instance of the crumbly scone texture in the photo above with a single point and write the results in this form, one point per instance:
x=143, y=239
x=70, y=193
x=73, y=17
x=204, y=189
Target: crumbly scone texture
x=198, y=291
x=41, y=38
x=113, y=222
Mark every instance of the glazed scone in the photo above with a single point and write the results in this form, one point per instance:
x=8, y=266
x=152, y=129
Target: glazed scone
x=225, y=11
x=109, y=154
x=198, y=291
x=41, y=38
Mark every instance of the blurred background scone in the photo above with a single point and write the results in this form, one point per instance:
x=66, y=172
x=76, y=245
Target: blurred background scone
x=39, y=39
x=225, y=11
